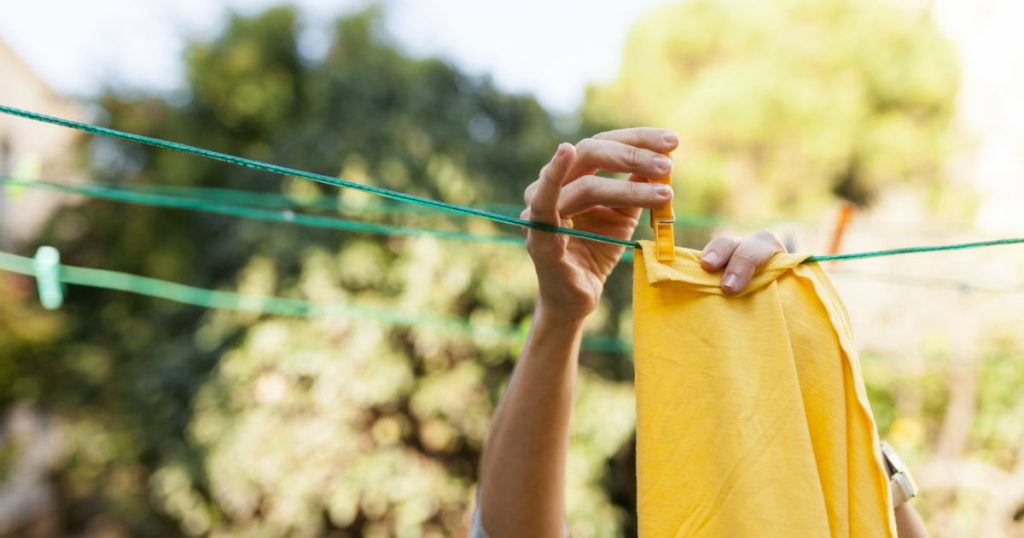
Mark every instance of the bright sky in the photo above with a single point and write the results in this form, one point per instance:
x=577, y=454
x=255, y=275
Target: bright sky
x=527, y=45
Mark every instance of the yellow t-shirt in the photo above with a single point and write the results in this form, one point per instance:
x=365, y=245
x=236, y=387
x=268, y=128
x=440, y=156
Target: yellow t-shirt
x=752, y=417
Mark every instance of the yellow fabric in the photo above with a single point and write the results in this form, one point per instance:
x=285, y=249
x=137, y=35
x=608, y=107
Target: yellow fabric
x=752, y=417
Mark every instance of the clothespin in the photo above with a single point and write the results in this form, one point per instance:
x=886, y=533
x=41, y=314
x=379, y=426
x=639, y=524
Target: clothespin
x=663, y=220
x=46, y=265
x=846, y=212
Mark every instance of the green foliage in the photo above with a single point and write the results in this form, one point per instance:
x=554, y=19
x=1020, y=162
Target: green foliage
x=228, y=424
x=782, y=105
x=183, y=421
x=999, y=427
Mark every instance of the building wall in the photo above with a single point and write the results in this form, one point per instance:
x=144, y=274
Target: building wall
x=33, y=150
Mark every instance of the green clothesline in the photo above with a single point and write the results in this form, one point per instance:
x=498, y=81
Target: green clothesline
x=320, y=178
x=281, y=216
x=296, y=307
x=139, y=196
x=286, y=216
x=283, y=306
x=914, y=250
x=268, y=200
x=277, y=208
x=427, y=202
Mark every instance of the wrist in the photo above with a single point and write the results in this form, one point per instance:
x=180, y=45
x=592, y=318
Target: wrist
x=559, y=320
x=564, y=307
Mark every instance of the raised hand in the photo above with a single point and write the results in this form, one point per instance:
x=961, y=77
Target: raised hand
x=572, y=271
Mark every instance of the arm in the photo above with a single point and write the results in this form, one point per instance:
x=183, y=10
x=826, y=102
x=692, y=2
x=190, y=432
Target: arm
x=523, y=464
x=522, y=471
x=909, y=523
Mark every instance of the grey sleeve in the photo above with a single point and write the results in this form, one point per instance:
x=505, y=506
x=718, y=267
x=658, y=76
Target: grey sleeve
x=476, y=529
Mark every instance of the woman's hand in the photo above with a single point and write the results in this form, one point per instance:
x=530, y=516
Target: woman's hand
x=740, y=259
x=572, y=271
x=522, y=470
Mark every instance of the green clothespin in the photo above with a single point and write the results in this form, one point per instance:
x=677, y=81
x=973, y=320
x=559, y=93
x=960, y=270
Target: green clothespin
x=46, y=265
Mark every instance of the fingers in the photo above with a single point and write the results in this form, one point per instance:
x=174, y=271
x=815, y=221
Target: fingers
x=657, y=140
x=740, y=259
x=638, y=151
x=717, y=253
x=543, y=200
x=749, y=256
x=634, y=212
x=591, y=191
x=613, y=156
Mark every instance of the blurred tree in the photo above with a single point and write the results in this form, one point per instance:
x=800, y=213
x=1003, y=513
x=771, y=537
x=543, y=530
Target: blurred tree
x=185, y=421
x=782, y=105
x=218, y=423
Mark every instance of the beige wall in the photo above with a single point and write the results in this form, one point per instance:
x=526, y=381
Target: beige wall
x=23, y=142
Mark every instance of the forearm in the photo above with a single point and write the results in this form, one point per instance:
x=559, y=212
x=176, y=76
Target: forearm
x=909, y=523
x=523, y=463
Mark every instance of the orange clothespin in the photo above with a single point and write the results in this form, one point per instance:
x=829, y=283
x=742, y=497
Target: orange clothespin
x=846, y=212
x=663, y=220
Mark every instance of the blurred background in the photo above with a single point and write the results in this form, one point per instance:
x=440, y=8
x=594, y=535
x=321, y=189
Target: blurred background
x=842, y=125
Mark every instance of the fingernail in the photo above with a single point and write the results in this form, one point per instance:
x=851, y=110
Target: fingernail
x=731, y=282
x=710, y=258
x=663, y=191
x=662, y=164
x=671, y=139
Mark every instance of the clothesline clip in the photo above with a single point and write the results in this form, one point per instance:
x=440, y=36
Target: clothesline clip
x=663, y=220
x=46, y=266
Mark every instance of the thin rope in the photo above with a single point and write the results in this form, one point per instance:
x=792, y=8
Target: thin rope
x=284, y=306
x=913, y=250
x=282, y=201
x=427, y=202
x=286, y=216
x=328, y=180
